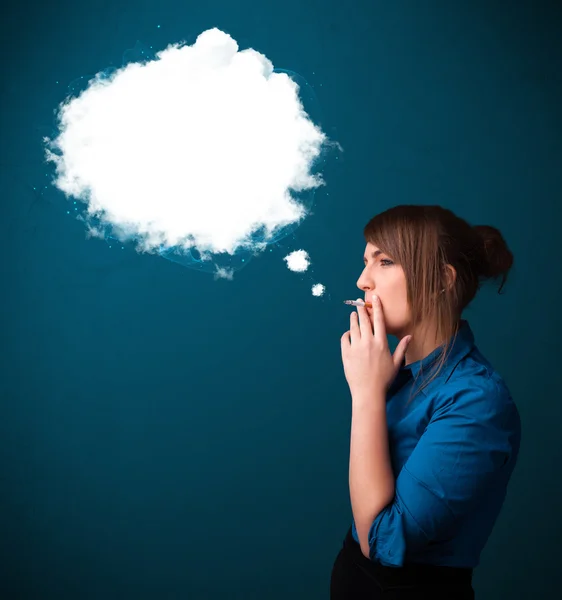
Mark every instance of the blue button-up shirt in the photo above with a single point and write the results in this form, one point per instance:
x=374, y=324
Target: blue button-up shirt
x=453, y=449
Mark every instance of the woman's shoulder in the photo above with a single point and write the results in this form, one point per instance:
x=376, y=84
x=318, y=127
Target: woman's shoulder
x=476, y=387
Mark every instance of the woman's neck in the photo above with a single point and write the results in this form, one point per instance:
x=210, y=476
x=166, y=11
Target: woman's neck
x=424, y=341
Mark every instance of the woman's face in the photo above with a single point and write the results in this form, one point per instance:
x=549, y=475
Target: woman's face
x=386, y=279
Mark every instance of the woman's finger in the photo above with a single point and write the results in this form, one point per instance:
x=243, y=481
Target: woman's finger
x=378, y=319
x=354, y=328
x=364, y=322
x=345, y=343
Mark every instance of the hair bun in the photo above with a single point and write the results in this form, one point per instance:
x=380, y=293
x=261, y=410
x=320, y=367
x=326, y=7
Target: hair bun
x=496, y=259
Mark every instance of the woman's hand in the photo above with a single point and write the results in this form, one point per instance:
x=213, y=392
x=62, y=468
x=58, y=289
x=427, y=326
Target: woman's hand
x=369, y=366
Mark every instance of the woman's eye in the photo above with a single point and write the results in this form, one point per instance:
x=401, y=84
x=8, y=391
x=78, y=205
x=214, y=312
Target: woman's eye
x=385, y=262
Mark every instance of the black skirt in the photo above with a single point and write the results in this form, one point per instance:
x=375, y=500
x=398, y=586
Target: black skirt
x=355, y=577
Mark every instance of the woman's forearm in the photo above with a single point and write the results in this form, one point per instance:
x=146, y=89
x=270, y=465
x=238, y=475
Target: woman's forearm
x=371, y=480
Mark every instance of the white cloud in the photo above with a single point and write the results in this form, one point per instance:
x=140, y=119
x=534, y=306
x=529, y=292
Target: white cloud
x=298, y=261
x=318, y=289
x=200, y=147
x=224, y=273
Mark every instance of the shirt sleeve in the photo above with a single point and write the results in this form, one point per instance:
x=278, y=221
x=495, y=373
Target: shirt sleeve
x=465, y=445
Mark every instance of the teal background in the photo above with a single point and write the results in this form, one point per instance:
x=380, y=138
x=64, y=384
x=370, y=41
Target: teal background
x=164, y=435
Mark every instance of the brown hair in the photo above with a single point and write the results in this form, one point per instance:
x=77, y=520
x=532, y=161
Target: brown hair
x=423, y=240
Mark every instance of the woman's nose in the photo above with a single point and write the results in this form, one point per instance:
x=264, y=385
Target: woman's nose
x=364, y=283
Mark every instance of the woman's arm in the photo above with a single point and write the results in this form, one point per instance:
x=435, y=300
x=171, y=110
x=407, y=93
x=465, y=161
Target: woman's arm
x=467, y=443
x=371, y=480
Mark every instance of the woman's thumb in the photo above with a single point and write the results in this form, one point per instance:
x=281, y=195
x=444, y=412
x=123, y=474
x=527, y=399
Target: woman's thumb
x=400, y=351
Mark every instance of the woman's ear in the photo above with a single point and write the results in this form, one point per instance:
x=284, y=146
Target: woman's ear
x=450, y=276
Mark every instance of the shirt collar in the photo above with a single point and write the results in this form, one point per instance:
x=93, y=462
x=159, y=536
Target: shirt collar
x=462, y=344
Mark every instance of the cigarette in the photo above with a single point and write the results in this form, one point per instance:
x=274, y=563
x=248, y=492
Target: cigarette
x=358, y=303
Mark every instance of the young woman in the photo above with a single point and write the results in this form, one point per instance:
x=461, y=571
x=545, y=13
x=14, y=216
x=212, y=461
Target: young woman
x=435, y=433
